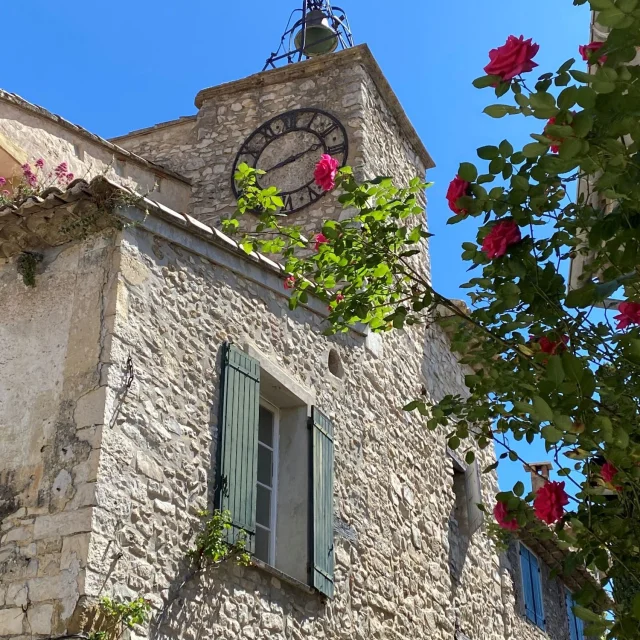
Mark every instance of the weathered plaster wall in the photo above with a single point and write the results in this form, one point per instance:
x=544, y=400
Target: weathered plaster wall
x=393, y=496
x=51, y=409
x=39, y=137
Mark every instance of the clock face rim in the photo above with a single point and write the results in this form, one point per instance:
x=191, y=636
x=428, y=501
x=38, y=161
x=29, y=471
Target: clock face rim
x=334, y=119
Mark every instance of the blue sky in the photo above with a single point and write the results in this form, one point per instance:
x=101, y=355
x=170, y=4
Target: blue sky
x=114, y=66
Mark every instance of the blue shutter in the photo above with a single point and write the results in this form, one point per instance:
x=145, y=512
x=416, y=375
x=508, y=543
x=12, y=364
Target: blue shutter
x=238, y=453
x=525, y=565
x=322, y=551
x=532, y=585
x=536, y=579
x=573, y=627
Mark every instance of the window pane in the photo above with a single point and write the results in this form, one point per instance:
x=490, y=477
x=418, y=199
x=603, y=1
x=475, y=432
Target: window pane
x=263, y=507
x=265, y=430
x=262, y=544
x=265, y=460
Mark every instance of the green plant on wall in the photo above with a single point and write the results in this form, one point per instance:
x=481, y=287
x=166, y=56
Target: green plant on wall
x=211, y=545
x=115, y=616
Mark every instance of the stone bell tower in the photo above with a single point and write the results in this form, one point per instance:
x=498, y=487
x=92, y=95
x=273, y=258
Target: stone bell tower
x=281, y=120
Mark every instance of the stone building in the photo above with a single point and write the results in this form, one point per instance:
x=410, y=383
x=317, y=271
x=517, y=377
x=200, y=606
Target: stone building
x=155, y=363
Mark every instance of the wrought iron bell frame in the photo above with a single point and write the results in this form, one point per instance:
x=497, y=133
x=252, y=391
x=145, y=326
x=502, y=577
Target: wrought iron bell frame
x=289, y=52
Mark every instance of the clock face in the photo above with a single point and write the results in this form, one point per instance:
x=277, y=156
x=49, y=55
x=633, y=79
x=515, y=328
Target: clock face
x=288, y=148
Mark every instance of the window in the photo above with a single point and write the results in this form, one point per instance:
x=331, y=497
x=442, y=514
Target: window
x=531, y=587
x=275, y=469
x=267, y=483
x=576, y=626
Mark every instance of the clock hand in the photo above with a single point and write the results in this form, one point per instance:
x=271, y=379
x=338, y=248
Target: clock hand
x=293, y=158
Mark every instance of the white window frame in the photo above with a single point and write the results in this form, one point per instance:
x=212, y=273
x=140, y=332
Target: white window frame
x=275, y=451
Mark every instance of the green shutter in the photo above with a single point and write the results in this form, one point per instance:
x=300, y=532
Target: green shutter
x=238, y=454
x=322, y=552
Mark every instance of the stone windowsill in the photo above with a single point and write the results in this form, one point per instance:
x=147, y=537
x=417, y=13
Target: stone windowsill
x=266, y=568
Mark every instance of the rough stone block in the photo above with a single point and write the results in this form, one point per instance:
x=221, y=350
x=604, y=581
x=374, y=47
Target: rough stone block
x=39, y=618
x=11, y=621
x=148, y=467
x=63, y=524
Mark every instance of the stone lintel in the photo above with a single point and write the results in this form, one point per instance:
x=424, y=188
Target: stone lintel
x=309, y=68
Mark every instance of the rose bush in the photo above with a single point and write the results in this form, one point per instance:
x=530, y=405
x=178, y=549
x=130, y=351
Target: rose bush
x=547, y=361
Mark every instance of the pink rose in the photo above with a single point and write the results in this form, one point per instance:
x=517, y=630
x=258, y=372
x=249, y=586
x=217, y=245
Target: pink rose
x=6, y=193
x=457, y=188
x=290, y=282
x=40, y=163
x=501, y=514
x=587, y=49
x=549, y=502
x=326, y=172
x=500, y=238
x=320, y=239
x=629, y=314
x=3, y=181
x=512, y=58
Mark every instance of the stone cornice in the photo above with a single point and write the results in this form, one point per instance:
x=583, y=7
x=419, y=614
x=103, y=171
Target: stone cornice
x=360, y=54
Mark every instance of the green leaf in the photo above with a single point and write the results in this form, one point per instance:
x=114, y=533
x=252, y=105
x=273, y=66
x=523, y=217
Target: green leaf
x=468, y=172
x=506, y=148
x=542, y=100
x=570, y=148
x=551, y=434
x=586, y=97
x=582, y=297
x=611, y=17
x=518, y=489
x=534, y=149
x=486, y=81
x=555, y=372
x=586, y=614
x=541, y=411
x=500, y=110
x=565, y=423
x=568, y=98
x=488, y=153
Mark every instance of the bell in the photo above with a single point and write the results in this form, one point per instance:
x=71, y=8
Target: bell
x=321, y=37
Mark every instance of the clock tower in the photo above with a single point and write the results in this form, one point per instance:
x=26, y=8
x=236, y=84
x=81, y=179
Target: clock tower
x=281, y=121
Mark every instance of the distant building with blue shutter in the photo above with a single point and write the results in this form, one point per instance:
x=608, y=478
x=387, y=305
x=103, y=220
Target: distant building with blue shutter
x=156, y=370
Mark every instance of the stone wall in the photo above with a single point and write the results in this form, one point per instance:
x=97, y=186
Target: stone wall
x=393, y=495
x=46, y=136
x=51, y=409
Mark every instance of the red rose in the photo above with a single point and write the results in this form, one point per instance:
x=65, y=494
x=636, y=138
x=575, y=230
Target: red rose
x=290, y=282
x=339, y=297
x=320, y=239
x=608, y=472
x=512, y=58
x=587, y=49
x=501, y=514
x=326, y=172
x=554, y=147
x=553, y=346
x=550, y=501
x=629, y=314
x=500, y=238
x=457, y=188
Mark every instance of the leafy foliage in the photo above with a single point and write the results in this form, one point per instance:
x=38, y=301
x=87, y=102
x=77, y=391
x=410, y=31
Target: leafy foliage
x=118, y=615
x=211, y=545
x=544, y=361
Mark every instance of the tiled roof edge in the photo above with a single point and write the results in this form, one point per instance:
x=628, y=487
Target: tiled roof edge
x=21, y=103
